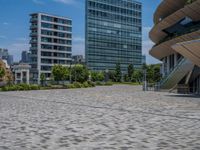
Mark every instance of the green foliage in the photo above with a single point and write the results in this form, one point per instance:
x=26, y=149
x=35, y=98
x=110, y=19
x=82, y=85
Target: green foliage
x=91, y=84
x=42, y=78
x=137, y=76
x=111, y=75
x=118, y=74
x=108, y=84
x=97, y=76
x=98, y=83
x=78, y=85
x=86, y=85
x=2, y=72
x=60, y=73
x=79, y=73
x=126, y=78
x=70, y=86
x=130, y=71
x=153, y=73
x=20, y=87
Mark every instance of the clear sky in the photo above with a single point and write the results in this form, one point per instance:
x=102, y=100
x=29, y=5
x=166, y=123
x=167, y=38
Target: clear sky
x=14, y=22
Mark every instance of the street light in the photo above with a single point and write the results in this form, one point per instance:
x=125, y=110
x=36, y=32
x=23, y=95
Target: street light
x=70, y=76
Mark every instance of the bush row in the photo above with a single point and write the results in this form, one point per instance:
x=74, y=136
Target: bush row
x=26, y=87
x=20, y=87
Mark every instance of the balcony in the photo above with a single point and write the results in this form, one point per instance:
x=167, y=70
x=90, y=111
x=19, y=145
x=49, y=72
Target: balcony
x=187, y=30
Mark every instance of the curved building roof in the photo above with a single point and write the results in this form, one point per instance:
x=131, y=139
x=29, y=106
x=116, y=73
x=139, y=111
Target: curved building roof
x=166, y=8
x=180, y=25
x=191, y=11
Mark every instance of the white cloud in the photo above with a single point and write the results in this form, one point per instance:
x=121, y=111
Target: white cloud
x=66, y=1
x=5, y=23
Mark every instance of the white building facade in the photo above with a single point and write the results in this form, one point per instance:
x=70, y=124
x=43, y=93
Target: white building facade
x=51, y=44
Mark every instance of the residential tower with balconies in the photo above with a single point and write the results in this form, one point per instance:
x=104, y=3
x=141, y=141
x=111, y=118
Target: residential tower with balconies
x=51, y=43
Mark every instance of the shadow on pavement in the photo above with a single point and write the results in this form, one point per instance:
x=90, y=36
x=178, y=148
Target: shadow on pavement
x=185, y=95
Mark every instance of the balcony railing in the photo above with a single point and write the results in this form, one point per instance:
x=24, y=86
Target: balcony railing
x=187, y=30
x=173, y=69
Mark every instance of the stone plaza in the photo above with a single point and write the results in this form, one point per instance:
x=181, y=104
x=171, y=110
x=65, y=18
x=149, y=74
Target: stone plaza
x=117, y=117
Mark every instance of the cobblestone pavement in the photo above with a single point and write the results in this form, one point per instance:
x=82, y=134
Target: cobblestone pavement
x=102, y=118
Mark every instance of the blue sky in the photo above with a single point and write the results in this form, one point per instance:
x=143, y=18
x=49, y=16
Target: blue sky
x=14, y=22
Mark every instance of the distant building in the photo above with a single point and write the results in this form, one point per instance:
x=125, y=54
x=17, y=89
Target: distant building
x=4, y=54
x=21, y=73
x=113, y=34
x=25, y=57
x=51, y=43
x=78, y=59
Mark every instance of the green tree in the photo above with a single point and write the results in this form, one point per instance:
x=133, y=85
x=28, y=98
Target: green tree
x=130, y=71
x=100, y=76
x=42, y=78
x=137, y=76
x=97, y=76
x=79, y=73
x=111, y=76
x=2, y=73
x=118, y=73
x=94, y=76
x=60, y=73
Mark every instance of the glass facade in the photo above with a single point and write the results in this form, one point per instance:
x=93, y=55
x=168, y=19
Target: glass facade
x=113, y=34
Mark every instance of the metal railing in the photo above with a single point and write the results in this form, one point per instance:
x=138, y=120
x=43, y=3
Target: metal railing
x=172, y=70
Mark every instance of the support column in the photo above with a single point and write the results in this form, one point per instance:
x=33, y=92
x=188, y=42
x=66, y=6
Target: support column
x=27, y=77
x=175, y=59
x=21, y=76
x=168, y=64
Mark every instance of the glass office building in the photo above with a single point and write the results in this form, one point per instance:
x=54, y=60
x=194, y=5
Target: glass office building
x=113, y=34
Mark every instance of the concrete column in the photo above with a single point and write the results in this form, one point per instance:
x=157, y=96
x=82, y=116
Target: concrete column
x=21, y=77
x=175, y=59
x=168, y=66
x=15, y=77
x=27, y=76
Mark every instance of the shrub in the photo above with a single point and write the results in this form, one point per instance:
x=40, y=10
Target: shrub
x=108, y=84
x=35, y=87
x=78, y=85
x=99, y=83
x=20, y=87
x=70, y=86
x=85, y=85
x=91, y=84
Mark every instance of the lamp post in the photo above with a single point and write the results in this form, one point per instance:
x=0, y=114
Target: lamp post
x=70, y=76
x=145, y=80
x=107, y=75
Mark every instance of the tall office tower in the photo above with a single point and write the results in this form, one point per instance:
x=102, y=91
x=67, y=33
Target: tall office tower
x=51, y=43
x=113, y=34
x=176, y=34
x=4, y=54
x=25, y=57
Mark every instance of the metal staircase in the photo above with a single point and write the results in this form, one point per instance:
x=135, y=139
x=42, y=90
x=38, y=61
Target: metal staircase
x=179, y=71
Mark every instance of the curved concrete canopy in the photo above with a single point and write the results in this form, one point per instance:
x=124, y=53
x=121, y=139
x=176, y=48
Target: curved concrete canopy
x=190, y=50
x=166, y=8
x=192, y=11
x=165, y=49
